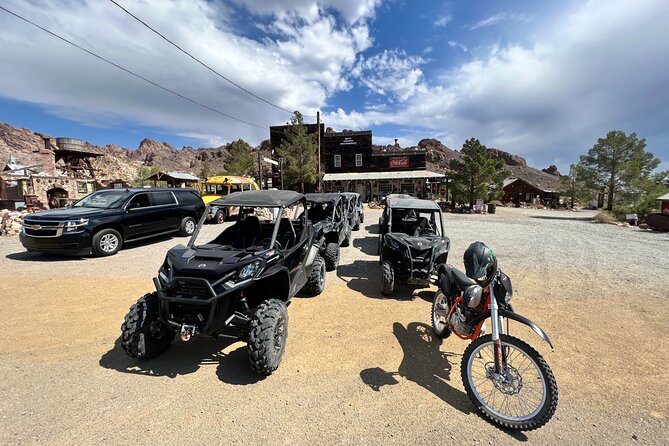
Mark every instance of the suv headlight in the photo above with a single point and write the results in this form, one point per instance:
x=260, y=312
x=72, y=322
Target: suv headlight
x=249, y=270
x=75, y=225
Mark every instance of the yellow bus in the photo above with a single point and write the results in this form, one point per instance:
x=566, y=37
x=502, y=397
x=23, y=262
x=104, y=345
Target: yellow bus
x=216, y=187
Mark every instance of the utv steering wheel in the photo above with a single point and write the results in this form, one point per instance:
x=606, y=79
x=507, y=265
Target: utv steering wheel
x=267, y=241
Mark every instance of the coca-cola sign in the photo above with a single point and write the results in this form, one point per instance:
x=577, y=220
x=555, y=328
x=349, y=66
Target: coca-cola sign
x=399, y=162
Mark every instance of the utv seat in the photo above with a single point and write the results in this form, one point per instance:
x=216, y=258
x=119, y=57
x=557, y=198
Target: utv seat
x=248, y=233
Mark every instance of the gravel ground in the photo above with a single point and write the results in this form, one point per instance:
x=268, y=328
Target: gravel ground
x=359, y=368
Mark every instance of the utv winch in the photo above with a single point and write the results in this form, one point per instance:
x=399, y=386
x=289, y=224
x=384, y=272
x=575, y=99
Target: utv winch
x=237, y=285
x=328, y=213
x=412, y=242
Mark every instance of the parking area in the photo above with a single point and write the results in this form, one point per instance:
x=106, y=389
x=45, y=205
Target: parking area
x=359, y=368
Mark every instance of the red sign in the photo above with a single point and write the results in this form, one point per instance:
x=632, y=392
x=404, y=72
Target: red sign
x=399, y=162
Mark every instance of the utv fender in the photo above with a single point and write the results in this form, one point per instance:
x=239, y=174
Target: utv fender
x=523, y=320
x=311, y=255
x=273, y=283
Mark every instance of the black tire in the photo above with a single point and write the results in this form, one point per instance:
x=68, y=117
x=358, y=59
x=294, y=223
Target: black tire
x=380, y=247
x=143, y=336
x=219, y=217
x=362, y=218
x=544, y=413
x=267, y=337
x=331, y=256
x=439, y=328
x=347, y=239
x=107, y=242
x=316, y=281
x=187, y=227
x=388, y=278
x=356, y=227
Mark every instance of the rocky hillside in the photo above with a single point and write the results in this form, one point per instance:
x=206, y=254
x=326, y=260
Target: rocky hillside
x=121, y=162
x=125, y=163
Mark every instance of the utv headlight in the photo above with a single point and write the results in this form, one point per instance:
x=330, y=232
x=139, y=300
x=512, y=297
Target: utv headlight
x=392, y=243
x=165, y=271
x=249, y=270
x=75, y=225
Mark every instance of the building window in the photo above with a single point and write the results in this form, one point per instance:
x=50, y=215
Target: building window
x=81, y=187
x=385, y=189
x=337, y=160
x=358, y=159
x=407, y=188
x=118, y=185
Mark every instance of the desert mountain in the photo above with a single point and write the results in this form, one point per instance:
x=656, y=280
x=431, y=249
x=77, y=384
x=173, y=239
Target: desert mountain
x=125, y=163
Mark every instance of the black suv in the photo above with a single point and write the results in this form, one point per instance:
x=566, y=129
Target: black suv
x=237, y=285
x=412, y=242
x=101, y=222
x=327, y=211
x=354, y=210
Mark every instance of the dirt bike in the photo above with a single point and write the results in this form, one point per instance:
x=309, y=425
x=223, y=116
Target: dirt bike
x=507, y=380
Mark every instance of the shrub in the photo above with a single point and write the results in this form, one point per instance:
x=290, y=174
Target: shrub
x=605, y=217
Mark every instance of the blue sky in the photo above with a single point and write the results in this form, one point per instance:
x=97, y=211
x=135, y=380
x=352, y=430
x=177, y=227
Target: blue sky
x=536, y=78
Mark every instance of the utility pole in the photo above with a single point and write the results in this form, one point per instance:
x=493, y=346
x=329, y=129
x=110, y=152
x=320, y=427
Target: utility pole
x=259, y=170
x=281, y=159
x=318, y=169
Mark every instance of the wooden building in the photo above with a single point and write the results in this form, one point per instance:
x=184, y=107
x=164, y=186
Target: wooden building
x=352, y=164
x=525, y=191
x=174, y=179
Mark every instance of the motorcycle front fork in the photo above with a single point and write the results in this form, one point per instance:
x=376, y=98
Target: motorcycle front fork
x=497, y=330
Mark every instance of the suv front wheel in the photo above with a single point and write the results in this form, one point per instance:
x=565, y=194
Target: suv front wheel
x=107, y=242
x=187, y=227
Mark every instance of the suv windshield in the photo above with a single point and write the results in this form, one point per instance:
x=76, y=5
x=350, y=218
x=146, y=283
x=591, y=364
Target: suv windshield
x=103, y=200
x=416, y=222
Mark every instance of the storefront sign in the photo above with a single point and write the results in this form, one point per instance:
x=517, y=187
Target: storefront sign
x=348, y=142
x=399, y=162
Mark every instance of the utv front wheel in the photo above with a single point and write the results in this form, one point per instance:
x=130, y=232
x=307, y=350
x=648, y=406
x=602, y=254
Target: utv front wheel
x=316, y=281
x=347, y=239
x=267, y=338
x=143, y=336
x=331, y=256
x=388, y=278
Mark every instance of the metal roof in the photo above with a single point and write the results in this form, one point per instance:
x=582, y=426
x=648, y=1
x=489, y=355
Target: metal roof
x=177, y=176
x=350, y=194
x=412, y=203
x=381, y=175
x=269, y=198
x=664, y=197
x=329, y=197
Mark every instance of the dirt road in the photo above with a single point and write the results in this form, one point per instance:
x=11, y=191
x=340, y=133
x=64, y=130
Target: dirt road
x=359, y=368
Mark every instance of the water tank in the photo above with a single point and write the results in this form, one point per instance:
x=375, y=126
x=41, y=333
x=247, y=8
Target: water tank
x=70, y=144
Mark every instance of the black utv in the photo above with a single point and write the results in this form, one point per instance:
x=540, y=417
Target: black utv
x=412, y=242
x=237, y=285
x=354, y=210
x=327, y=211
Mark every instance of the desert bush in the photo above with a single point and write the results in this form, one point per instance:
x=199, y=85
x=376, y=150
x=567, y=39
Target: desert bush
x=605, y=217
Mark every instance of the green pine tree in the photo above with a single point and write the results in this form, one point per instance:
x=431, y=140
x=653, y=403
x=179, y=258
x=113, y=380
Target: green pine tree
x=478, y=174
x=618, y=165
x=299, y=148
x=240, y=160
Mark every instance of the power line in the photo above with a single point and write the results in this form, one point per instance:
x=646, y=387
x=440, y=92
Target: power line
x=132, y=73
x=200, y=62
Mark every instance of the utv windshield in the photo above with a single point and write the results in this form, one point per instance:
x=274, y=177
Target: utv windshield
x=322, y=211
x=416, y=222
x=256, y=229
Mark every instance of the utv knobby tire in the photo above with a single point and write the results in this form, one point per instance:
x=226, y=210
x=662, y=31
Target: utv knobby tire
x=331, y=256
x=347, y=239
x=316, y=281
x=187, y=227
x=101, y=243
x=265, y=344
x=356, y=227
x=388, y=278
x=137, y=338
x=550, y=403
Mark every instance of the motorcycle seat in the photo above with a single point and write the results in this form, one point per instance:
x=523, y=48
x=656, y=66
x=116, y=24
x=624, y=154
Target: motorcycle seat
x=452, y=280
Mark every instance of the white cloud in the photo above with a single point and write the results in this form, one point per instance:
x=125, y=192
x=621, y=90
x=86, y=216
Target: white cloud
x=456, y=44
x=390, y=73
x=298, y=65
x=593, y=69
x=427, y=50
x=352, y=10
x=443, y=20
x=497, y=18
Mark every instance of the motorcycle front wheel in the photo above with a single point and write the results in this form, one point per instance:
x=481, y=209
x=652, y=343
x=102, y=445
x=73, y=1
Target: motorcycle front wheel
x=523, y=397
